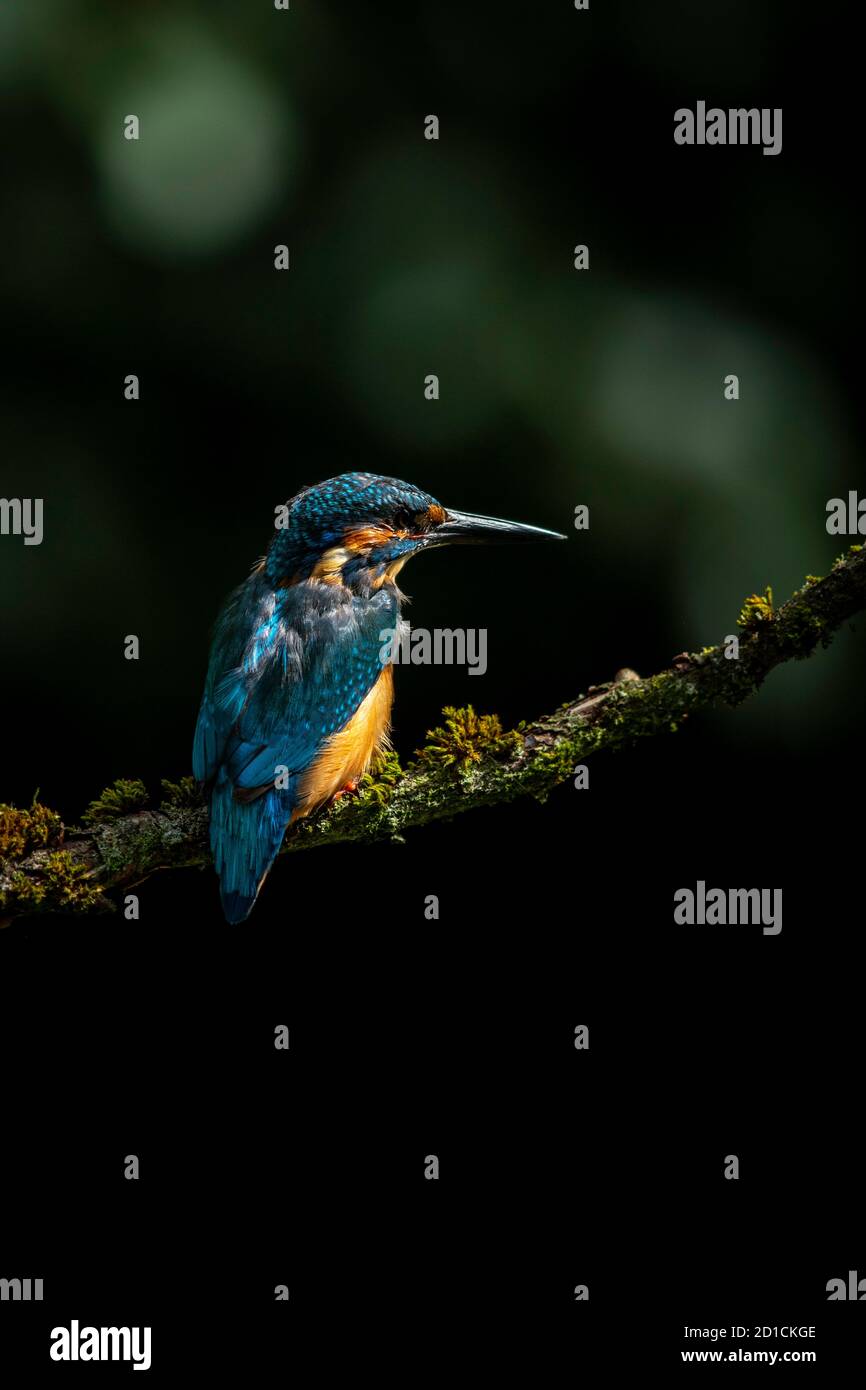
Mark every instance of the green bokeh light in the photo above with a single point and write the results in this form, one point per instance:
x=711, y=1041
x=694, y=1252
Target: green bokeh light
x=216, y=147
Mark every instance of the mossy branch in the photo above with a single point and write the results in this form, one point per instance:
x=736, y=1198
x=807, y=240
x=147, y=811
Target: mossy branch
x=467, y=763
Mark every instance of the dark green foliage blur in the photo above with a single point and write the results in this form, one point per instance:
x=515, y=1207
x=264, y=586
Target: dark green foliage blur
x=411, y=257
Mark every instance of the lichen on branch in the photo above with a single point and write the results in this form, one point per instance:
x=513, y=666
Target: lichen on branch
x=468, y=762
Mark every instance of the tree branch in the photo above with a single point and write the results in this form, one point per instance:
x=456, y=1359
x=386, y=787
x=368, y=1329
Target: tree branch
x=468, y=763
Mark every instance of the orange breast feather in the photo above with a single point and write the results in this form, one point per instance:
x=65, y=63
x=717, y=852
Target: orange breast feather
x=347, y=754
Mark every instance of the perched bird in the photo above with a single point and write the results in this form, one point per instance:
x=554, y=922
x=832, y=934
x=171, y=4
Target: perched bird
x=297, y=698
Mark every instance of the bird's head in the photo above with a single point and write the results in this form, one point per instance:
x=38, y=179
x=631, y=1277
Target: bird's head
x=359, y=530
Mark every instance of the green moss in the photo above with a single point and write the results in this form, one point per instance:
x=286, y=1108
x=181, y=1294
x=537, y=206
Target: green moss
x=846, y=556
x=122, y=797
x=804, y=627
x=127, y=848
x=466, y=738
x=556, y=764
x=185, y=793
x=57, y=885
x=378, y=784
x=67, y=883
x=632, y=711
x=757, y=608
x=702, y=657
x=24, y=830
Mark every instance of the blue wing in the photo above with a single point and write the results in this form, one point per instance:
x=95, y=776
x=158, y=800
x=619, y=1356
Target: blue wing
x=287, y=670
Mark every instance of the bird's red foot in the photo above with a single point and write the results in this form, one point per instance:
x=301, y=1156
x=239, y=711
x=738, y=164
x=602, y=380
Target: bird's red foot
x=349, y=787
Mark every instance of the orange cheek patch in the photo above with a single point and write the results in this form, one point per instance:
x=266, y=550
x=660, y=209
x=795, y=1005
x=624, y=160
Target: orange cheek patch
x=365, y=537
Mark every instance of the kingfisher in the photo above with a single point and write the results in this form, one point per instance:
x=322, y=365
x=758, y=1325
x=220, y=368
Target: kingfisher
x=299, y=688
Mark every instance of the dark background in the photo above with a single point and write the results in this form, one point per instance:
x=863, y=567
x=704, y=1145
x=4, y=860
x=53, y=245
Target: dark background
x=558, y=388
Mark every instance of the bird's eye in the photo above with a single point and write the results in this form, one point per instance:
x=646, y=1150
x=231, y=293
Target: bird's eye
x=403, y=520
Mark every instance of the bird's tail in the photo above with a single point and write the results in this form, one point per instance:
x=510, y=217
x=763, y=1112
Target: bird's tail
x=245, y=838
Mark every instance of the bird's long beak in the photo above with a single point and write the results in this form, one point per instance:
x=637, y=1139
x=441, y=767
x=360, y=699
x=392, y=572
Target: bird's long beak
x=462, y=528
